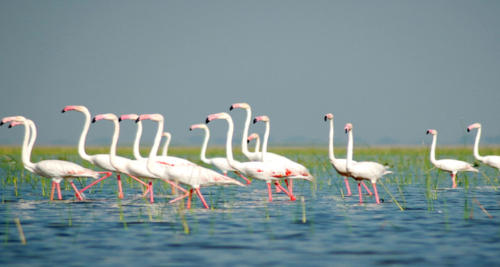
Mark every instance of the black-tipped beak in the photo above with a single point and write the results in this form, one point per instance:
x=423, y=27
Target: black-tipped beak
x=190, y=128
x=1, y=123
x=345, y=130
x=207, y=120
x=138, y=120
x=248, y=141
x=254, y=121
x=231, y=108
x=428, y=132
x=10, y=126
x=120, y=119
x=62, y=111
x=94, y=120
x=326, y=118
x=468, y=129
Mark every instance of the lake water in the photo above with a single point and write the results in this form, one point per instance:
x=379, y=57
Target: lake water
x=439, y=226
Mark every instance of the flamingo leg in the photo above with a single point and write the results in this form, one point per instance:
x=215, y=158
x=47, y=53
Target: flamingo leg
x=179, y=198
x=201, y=198
x=360, y=194
x=243, y=177
x=188, y=205
x=120, y=189
x=453, y=180
x=151, y=194
x=278, y=190
x=269, y=192
x=290, y=186
x=58, y=185
x=347, y=187
x=77, y=193
x=292, y=197
x=174, y=185
x=52, y=190
x=96, y=181
x=366, y=188
x=376, y=193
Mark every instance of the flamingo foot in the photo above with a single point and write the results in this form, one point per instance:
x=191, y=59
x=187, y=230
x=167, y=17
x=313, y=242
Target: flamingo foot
x=292, y=197
x=376, y=193
x=201, y=198
x=269, y=192
x=348, y=188
x=366, y=188
x=360, y=194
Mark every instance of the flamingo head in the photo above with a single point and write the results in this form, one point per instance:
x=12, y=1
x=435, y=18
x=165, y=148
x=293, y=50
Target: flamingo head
x=167, y=135
x=261, y=118
x=198, y=126
x=82, y=109
x=12, y=118
x=348, y=127
x=432, y=131
x=106, y=116
x=239, y=105
x=252, y=136
x=153, y=117
x=128, y=117
x=473, y=126
x=222, y=115
x=328, y=116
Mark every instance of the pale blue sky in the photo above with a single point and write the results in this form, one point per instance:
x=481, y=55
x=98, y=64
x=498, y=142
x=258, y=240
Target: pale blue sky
x=392, y=68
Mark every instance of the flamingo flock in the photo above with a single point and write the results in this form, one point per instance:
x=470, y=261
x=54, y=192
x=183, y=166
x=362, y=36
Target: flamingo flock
x=188, y=177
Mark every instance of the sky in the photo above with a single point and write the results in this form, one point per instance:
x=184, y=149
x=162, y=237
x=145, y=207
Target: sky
x=392, y=68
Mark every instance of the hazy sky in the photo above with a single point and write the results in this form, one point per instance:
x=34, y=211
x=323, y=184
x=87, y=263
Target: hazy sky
x=392, y=68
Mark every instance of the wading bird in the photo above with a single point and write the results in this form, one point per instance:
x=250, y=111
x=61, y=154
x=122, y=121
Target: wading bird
x=492, y=160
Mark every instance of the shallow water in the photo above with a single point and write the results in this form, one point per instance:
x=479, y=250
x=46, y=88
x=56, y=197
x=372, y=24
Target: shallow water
x=439, y=225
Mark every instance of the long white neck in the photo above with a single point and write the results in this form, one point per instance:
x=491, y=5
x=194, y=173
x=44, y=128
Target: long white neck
x=265, y=141
x=229, y=144
x=203, y=152
x=114, y=143
x=257, y=145
x=330, y=142
x=154, y=150
x=168, y=137
x=476, y=145
x=83, y=137
x=244, y=144
x=27, y=147
x=137, y=142
x=350, y=146
x=433, y=149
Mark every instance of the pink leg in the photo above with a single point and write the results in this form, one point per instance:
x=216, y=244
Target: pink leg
x=188, y=205
x=151, y=193
x=173, y=185
x=278, y=190
x=292, y=197
x=366, y=188
x=453, y=180
x=243, y=177
x=290, y=186
x=52, y=190
x=179, y=198
x=201, y=198
x=347, y=187
x=96, y=181
x=59, y=191
x=269, y=192
x=120, y=190
x=77, y=194
x=360, y=194
x=376, y=193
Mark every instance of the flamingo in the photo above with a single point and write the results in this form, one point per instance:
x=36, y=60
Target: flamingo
x=99, y=160
x=297, y=169
x=492, y=160
x=450, y=165
x=192, y=175
x=363, y=170
x=133, y=168
x=339, y=164
x=163, y=157
x=261, y=170
x=219, y=162
x=57, y=170
x=257, y=141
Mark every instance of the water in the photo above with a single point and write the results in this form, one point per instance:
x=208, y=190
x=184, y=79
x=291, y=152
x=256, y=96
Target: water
x=439, y=225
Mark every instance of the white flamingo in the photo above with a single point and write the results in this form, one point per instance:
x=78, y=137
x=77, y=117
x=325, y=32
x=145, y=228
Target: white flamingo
x=297, y=169
x=339, y=164
x=219, y=162
x=99, y=160
x=192, y=175
x=57, y=170
x=164, y=157
x=133, y=168
x=363, y=170
x=450, y=165
x=492, y=160
x=256, y=137
x=261, y=170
